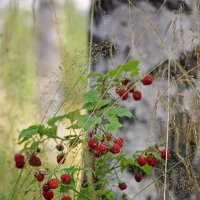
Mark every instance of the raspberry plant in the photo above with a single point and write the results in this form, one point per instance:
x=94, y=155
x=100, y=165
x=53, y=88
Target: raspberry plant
x=99, y=137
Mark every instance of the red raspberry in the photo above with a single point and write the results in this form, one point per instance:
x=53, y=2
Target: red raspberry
x=165, y=154
x=147, y=80
x=122, y=186
x=61, y=159
x=120, y=141
x=60, y=147
x=109, y=137
x=34, y=161
x=152, y=161
x=39, y=176
x=115, y=148
x=92, y=144
x=19, y=157
x=66, y=178
x=138, y=178
x=53, y=183
x=66, y=198
x=102, y=148
x=123, y=94
x=19, y=164
x=46, y=187
x=125, y=81
x=137, y=95
x=141, y=161
x=97, y=154
x=48, y=195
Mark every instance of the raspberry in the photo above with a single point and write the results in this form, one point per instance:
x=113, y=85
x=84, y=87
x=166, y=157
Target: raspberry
x=102, y=148
x=19, y=164
x=120, y=141
x=165, y=154
x=152, y=161
x=109, y=137
x=61, y=159
x=66, y=198
x=123, y=94
x=48, y=195
x=19, y=161
x=46, y=187
x=97, y=154
x=53, y=183
x=122, y=186
x=39, y=176
x=125, y=81
x=19, y=157
x=137, y=95
x=138, y=178
x=115, y=148
x=66, y=178
x=34, y=161
x=141, y=161
x=60, y=147
x=147, y=80
x=92, y=144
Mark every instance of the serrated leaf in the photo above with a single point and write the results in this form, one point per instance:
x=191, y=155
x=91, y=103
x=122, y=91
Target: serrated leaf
x=123, y=112
x=107, y=194
x=72, y=116
x=131, y=66
x=51, y=132
x=147, y=169
x=27, y=133
x=91, y=96
x=125, y=162
x=157, y=155
x=116, y=111
x=52, y=121
x=114, y=124
x=102, y=103
x=88, y=106
x=64, y=188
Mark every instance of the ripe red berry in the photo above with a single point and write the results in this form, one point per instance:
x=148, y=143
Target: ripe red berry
x=137, y=95
x=39, y=176
x=66, y=178
x=19, y=164
x=123, y=94
x=19, y=157
x=125, y=81
x=66, y=198
x=97, y=154
x=165, y=154
x=102, y=148
x=152, y=161
x=46, y=187
x=122, y=186
x=34, y=161
x=120, y=141
x=109, y=137
x=48, y=195
x=60, y=147
x=147, y=80
x=138, y=178
x=53, y=183
x=19, y=160
x=92, y=143
x=115, y=148
x=141, y=161
x=61, y=159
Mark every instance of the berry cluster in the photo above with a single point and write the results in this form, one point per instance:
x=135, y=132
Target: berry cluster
x=127, y=87
x=151, y=161
x=52, y=184
x=33, y=161
x=107, y=143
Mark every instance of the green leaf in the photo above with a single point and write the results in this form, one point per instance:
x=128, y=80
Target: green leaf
x=130, y=66
x=25, y=134
x=92, y=74
x=72, y=116
x=147, y=169
x=88, y=106
x=114, y=124
x=102, y=103
x=123, y=112
x=75, y=141
x=116, y=111
x=92, y=96
x=107, y=194
x=125, y=162
x=157, y=155
x=72, y=170
x=52, y=121
x=64, y=188
x=51, y=132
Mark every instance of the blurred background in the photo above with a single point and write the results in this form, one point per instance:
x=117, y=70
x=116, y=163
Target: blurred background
x=43, y=52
